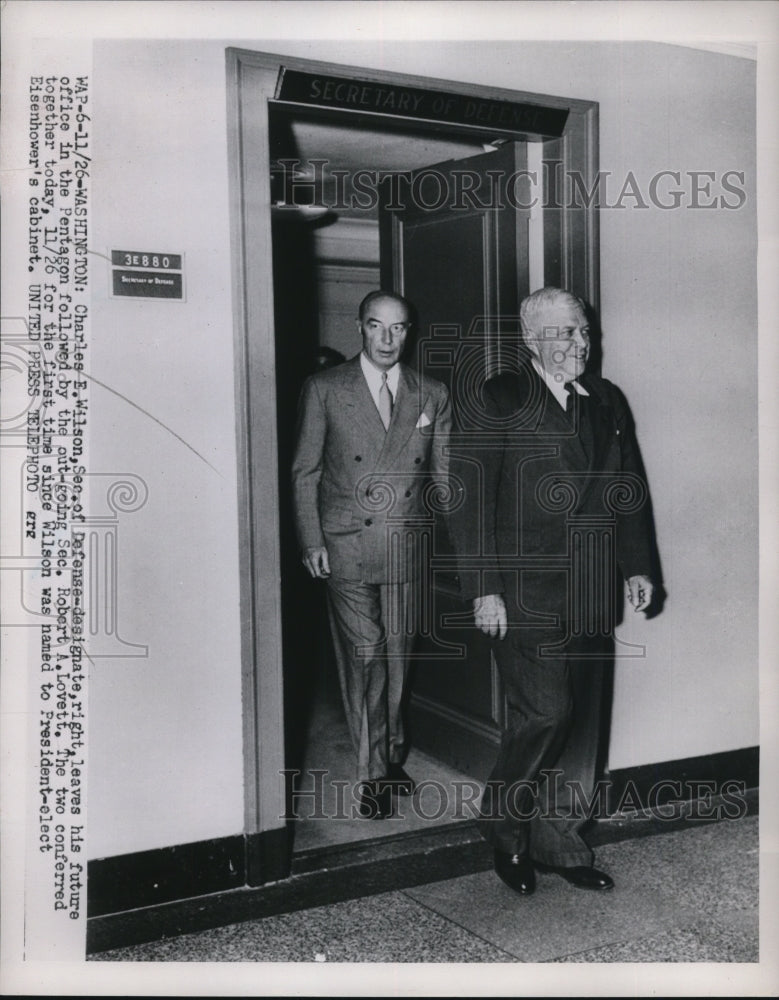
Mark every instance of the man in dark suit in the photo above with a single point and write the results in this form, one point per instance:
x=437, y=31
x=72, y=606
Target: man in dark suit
x=559, y=516
x=372, y=433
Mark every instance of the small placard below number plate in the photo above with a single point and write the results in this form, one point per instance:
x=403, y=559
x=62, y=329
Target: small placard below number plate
x=148, y=284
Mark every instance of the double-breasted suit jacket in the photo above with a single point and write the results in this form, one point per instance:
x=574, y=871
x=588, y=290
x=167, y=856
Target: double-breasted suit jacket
x=357, y=485
x=364, y=494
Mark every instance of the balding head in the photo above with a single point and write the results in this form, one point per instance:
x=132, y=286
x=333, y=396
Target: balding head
x=377, y=296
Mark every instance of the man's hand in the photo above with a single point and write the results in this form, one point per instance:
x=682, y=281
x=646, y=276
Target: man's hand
x=640, y=592
x=317, y=562
x=489, y=614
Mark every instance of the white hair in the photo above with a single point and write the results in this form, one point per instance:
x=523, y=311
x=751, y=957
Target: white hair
x=533, y=307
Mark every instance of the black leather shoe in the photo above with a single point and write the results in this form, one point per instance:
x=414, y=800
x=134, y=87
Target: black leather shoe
x=580, y=875
x=516, y=870
x=375, y=801
x=398, y=781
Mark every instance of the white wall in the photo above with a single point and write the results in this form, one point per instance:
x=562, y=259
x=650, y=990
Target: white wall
x=678, y=295
x=165, y=732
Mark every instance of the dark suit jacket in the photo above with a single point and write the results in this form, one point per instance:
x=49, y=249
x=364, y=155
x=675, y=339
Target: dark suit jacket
x=546, y=513
x=355, y=483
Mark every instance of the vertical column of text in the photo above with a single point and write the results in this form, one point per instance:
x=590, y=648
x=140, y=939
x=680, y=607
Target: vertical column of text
x=54, y=503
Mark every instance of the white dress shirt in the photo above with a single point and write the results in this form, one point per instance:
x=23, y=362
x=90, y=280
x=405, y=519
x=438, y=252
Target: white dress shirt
x=373, y=378
x=558, y=389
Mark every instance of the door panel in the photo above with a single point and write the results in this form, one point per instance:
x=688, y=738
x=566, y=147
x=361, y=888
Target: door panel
x=456, y=705
x=464, y=266
x=443, y=291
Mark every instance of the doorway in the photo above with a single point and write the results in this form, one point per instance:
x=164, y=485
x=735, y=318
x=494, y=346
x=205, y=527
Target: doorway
x=327, y=214
x=314, y=231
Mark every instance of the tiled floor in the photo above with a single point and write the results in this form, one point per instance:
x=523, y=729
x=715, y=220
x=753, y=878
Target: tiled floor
x=687, y=896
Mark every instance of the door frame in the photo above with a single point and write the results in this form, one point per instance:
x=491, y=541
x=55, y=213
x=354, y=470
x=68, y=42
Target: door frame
x=252, y=80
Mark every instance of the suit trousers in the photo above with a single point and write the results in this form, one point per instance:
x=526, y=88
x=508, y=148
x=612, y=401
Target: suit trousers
x=372, y=626
x=536, y=798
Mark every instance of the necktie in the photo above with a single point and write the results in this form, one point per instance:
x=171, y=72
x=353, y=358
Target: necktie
x=385, y=402
x=577, y=411
x=569, y=400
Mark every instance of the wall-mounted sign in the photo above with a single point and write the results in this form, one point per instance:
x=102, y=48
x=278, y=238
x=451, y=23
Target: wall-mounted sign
x=147, y=274
x=414, y=102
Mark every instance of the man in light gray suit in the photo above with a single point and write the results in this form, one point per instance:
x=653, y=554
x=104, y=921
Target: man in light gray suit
x=372, y=435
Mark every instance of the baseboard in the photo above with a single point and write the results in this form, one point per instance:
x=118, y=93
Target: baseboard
x=151, y=878
x=268, y=856
x=330, y=876
x=648, y=786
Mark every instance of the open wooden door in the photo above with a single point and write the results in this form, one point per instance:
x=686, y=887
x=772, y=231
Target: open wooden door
x=458, y=250
x=459, y=246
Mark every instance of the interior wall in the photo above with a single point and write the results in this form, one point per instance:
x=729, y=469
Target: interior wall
x=165, y=740
x=677, y=288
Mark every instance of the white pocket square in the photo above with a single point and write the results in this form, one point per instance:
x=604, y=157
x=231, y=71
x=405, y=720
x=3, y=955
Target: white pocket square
x=423, y=421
